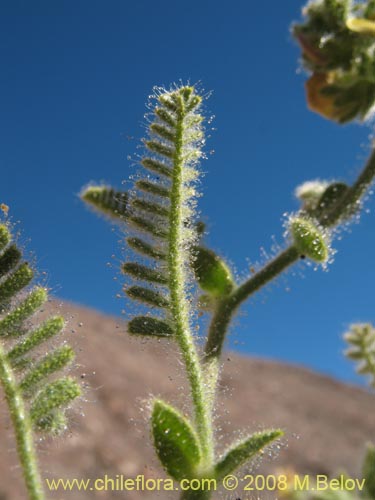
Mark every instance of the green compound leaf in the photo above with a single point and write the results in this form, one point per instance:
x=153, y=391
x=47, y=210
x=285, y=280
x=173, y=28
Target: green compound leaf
x=22, y=375
x=161, y=207
x=361, y=340
x=244, y=451
x=30, y=372
x=211, y=272
x=308, y=239
x=368, y=471
x=107, y=201
x=175, y=441
x=147, y=325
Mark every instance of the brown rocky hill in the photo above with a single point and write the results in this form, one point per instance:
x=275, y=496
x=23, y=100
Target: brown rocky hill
x=327, y=423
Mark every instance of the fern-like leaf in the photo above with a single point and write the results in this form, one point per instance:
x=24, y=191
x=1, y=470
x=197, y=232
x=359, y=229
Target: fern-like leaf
x=19, y=349
x=107, y=201
x=361, y=339
x=161, y=210
x=169, y=163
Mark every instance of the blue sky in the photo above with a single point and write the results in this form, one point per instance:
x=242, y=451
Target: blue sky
x=75, y=79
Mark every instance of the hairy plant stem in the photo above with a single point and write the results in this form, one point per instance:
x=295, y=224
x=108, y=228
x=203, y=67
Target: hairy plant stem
x=229, y=305
x=353, y=196
x=22, y=430
x=179, y=304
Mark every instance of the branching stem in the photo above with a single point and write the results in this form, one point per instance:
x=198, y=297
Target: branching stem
x=353, y=196
x=227, y=307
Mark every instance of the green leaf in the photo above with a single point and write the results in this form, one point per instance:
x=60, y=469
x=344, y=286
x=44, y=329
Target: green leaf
x=18, y=280
x=9, y=259
x=368, y=471
x=147, y=226
x=166, y=100
x=149, y=207
x=175, y=441
x=160, y=148
x=45, y=331
x=12, y=322
x=163, y=131
x=152, y=188
x=211, y=272
x=107, y=201
x=147, y=325
x=50, y=363
x=244, y=451
x=165, y=116
x=147, y=296
x=144, y=273
x=146, y=249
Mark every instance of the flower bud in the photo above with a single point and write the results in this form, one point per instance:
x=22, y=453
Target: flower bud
x=309, y=239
